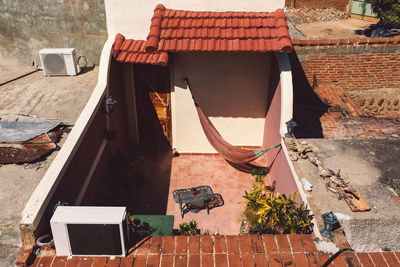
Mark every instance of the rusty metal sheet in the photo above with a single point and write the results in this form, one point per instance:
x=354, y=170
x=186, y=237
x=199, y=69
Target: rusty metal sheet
x=21, y=131
x=31, y=149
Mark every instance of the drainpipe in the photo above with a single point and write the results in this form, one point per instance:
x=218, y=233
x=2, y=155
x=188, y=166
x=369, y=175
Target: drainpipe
x=19, y=77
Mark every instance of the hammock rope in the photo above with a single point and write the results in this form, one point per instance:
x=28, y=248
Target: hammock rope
x=230, y=153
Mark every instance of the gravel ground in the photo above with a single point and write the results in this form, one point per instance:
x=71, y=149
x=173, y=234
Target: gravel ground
x=344, y=28
x=59, y=98
x=368, y=165
x=307, y=15
x=323, y=23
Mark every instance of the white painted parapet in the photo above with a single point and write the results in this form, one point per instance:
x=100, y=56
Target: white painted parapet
x=44, y=191
x=286, y=91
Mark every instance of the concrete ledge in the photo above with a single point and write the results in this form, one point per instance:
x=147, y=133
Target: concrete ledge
x=40, y=198
x=345, y=41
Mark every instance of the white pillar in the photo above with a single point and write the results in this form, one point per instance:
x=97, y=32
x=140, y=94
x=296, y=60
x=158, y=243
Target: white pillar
x=286, y=91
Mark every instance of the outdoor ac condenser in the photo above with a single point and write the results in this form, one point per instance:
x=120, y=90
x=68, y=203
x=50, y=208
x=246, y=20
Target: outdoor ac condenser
x=59, y=61
x=89, y=231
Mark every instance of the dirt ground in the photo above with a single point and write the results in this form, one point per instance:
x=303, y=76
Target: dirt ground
x=344, y=28
x=368, y=165
x=58, y=98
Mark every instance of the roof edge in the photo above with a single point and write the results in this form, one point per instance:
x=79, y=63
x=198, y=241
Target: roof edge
x=345, y=41
x=155, y=29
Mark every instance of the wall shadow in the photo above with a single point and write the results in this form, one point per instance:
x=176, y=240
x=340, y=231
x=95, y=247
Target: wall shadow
x=139, y=179
x=138, y=175
x=307, y=106
x=148, y=79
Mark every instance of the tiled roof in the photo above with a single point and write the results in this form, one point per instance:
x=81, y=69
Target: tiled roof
x=179, y=30
x=133, y=51
x=224, y=251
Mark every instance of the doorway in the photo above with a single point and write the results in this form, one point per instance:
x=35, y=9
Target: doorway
x=153, y=104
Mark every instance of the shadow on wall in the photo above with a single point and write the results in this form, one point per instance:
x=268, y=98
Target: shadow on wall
x=139, y=179
x=307, y=106
x=152, y=91
x=226, y=84
x=138, y=175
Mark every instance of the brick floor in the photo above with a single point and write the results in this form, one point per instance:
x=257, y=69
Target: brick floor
x=152, y=193
x=190, y=170
x=337, y=116
x=248, y=250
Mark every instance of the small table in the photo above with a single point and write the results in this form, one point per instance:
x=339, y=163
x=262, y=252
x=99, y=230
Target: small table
x=184, y=197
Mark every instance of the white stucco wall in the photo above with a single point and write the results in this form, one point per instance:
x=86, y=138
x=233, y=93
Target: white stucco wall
x=286, y=90
x=132, y=17
x=232, y=90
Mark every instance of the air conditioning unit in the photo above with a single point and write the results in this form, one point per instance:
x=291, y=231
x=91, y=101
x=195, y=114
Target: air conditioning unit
x=90, y=231
x=59, y=61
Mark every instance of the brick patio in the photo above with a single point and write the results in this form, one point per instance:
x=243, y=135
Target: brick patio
x=165, y=173
x=219, y=251
x=190, y=170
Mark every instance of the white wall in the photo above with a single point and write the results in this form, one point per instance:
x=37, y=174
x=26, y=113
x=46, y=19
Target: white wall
x=132, y=17
x=231, y=89
x=286, y=90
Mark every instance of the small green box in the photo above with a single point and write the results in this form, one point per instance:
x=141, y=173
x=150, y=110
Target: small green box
x=153, y=225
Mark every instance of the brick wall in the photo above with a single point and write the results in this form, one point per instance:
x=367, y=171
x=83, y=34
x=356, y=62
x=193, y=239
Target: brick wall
x=352, y=64
x=346, y=88
x=337, y=4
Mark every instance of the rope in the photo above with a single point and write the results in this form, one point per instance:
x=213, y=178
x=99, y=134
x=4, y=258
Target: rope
x=186, y=80
x=259, y=153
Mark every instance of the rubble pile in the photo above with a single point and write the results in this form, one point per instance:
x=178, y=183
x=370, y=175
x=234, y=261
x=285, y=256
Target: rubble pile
x=307, y=15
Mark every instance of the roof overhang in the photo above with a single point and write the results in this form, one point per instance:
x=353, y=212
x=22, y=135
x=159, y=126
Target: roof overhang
x=188, y=31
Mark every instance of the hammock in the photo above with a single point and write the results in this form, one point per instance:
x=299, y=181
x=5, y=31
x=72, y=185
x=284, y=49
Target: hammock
x=231, y=153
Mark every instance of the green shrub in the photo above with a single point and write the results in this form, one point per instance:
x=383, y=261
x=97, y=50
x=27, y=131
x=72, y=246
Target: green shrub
x=188, y=228
x=267, y=212
x=387, y=10
x=282, y=214
x=259, y=174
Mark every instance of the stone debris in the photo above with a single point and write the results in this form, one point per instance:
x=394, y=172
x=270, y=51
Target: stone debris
x=306, y=185
x=336, y=184
x=298, y=150
x=308, y=15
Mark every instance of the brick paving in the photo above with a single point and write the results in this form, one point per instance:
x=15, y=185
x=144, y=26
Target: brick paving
x=220, y=250
x=344, y=119
x=228, y=183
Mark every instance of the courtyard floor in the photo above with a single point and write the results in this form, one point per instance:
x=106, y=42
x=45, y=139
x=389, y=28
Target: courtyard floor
x=156, y=173
x=226, y=181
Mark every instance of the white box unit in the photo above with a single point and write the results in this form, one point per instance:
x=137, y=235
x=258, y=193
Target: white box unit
x=89, y=231
x=59, y=61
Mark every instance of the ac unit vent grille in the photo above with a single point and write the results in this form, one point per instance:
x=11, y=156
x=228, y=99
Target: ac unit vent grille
x=54, y=64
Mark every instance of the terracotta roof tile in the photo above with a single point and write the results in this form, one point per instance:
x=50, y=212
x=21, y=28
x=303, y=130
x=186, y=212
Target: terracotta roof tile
x=179, y=30
x=133, y=51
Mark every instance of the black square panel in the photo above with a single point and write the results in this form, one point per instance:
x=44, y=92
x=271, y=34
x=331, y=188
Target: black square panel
x=94, y=239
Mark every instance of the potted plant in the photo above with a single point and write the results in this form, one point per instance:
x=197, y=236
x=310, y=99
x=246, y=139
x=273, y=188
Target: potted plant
x=188, y=228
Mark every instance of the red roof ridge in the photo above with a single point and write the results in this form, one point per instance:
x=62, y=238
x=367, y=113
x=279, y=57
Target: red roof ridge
x=119, y=39
x=133, y=51
x=155, y=29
